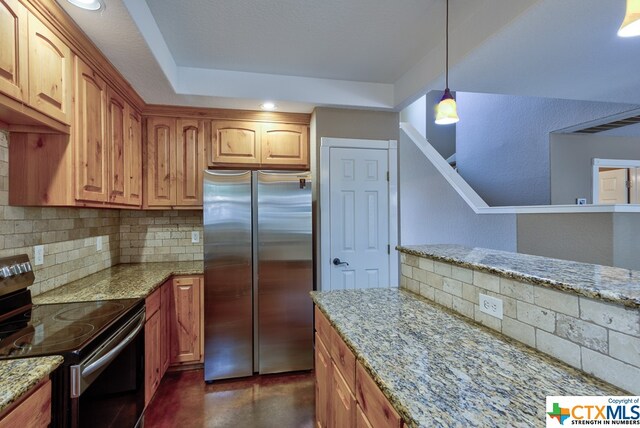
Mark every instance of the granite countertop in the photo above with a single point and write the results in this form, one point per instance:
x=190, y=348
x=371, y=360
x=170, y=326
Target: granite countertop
x=617, y=285
x=17, y=377
x=124, y=281
x=438, y=369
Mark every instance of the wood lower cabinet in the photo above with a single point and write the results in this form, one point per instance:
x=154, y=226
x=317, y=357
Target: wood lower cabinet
x=346, y=396
x=152, y=346
x=14, y=38
x=90, y=142
x=186, y=320
x=33, y=412
x=165, y=322
x=50, y=72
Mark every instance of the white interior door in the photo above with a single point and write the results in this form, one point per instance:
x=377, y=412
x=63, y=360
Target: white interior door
x=359, y=221
x=613, y=186
x=634, y=191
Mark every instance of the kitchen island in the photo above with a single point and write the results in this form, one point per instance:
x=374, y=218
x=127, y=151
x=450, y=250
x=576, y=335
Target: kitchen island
x=438, y=369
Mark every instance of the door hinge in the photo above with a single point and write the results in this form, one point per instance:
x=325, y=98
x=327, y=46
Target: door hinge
x=388, y=249
x=387, y=175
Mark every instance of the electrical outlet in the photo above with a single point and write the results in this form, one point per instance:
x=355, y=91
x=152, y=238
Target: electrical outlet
x=581, y=201
x=38, y=255
x=491, y=305
x=195, y=237
x=99, y=243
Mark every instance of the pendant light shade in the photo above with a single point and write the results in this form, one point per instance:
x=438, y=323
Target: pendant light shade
x=446, y=110
x=631, y=25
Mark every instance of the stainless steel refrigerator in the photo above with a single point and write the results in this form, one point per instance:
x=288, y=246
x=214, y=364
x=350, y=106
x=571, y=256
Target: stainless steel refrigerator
x=258, y=273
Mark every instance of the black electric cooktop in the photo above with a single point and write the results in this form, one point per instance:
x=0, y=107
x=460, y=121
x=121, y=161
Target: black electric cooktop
x=65, y=329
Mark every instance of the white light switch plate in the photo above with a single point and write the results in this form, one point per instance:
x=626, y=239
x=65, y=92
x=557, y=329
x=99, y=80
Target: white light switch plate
x=491, y=305
x=195, y=237
x=38, y=255
x=99, y=243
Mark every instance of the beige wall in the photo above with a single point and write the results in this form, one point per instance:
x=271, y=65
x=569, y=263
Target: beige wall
x=571, y=160
x=159, y=236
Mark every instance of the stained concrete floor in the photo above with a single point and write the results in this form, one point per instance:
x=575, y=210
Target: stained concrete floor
x=275, y=401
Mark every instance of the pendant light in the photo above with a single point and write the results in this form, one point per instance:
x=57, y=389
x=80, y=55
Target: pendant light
x=631, y=25
x=446, y=110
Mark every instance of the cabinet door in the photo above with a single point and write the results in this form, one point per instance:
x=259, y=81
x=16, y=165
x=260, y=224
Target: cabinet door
x=375, y=406
x=34, y=411
x=323, y=384
x=50, y=73
x=133, y=154
x=90, y=135
x=343, y=403
x=165, y=332
x=151, y=357
x=185, y=320
x=161, y=158
x=117, y=132
x=190, y=162
x=235, y=143
x=361, y=419
x=285, y=145
x=13, y=49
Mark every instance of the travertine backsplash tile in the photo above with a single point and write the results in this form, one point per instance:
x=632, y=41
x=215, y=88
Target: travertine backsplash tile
x=69, y=235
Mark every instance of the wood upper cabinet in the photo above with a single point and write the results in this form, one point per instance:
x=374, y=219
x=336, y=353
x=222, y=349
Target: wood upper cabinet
x=190, y=162
x=160, y=162
x=285, y=145
x=186, y=320
x=117, y=132
x=13, y=50
x=133, y=154
x=234, y=142
x=90, y=135
x=50, y=72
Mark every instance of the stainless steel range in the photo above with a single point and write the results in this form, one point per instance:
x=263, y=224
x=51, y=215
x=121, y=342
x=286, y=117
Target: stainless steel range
x=101, y=382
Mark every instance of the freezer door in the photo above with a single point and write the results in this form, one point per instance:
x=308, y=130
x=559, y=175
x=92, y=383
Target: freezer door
x=228, y=310
x=285, y=272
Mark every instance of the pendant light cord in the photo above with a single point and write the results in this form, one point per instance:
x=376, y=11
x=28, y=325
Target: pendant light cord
x=447, y=49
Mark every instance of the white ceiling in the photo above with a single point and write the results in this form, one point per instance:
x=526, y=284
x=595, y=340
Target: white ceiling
x=363, y=53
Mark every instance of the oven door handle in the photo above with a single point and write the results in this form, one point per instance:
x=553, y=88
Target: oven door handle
x=109, y=356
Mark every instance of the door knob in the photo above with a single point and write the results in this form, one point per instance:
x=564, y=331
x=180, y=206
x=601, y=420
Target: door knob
x=337, y=262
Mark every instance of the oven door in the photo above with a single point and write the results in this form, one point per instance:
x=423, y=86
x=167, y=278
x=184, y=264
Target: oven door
x=107, y=388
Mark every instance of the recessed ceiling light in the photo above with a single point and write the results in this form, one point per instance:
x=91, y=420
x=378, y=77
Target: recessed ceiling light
x=88, y=4
x=268, y=106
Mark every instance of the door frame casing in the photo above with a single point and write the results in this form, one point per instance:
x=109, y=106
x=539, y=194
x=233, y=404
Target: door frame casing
x=607, y=163
x=326, y=144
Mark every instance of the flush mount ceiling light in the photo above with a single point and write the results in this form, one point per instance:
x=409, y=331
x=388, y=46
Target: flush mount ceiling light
x=631, y=25
x=269, y=106
x=88, y=4
x=446, y=110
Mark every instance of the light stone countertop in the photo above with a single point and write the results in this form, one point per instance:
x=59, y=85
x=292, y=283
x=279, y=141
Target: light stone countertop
x=124, y=281
x=612, y=284
x=440, y=370
x=17, y=377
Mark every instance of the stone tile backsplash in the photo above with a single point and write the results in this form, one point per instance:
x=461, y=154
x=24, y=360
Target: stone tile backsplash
x=69, y=235
x=600, y=338
x=160, y=236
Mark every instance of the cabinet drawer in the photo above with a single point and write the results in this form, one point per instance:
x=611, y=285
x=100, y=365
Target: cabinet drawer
x=344, y=359
x=323, y=327
x=152, y=303
x=374, y=404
